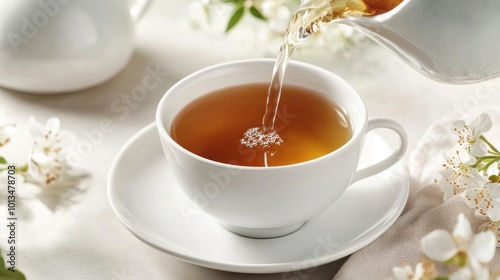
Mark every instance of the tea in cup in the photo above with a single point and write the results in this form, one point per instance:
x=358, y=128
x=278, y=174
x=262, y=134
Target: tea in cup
x=266, y=185
x=212, y=125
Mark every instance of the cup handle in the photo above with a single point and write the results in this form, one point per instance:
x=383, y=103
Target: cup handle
x=391, y=159
x=137, y=8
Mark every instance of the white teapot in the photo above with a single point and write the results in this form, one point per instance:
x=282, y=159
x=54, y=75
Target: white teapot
x=54, y=46
x=451, y=41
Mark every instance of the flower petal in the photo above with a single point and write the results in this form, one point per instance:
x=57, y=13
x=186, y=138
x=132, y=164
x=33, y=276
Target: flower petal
x=10, y=130
x=462, y=274
x=492, y=226
x=439, y=245
x=463, y=228
x=468, y=197
x=66, y=138
x=419, y=271
x=41, y=158
x=466, y=157
x=483, y=246
x=402, y=273
x=53, y=125
x=494, y=190
x=458, y=126
x=483, y=273
x=478, y=178
x=493, y=213
x=478, y=149
x=35, y=128
x=481, y=124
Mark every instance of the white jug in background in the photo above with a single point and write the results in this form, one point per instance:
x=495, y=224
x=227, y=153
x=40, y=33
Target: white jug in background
x=55, y=46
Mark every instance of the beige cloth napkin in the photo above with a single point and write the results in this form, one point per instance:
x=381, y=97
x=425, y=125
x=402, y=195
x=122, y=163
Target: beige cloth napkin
x=425, y=210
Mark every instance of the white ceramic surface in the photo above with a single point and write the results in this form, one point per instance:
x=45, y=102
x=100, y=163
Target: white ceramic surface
x=451, y=41
x=150, y=204
x=262, y=201
x=56, y=46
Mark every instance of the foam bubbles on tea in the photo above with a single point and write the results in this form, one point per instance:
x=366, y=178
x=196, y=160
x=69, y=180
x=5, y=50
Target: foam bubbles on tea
x=257, y=137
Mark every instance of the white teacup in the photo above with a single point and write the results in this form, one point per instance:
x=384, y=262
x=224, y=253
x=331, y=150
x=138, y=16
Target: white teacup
x=265, y=202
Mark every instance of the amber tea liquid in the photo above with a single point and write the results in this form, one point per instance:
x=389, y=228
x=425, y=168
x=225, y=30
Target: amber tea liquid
x=308, y=123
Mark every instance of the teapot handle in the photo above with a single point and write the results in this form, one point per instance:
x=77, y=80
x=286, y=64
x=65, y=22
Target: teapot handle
x=137, y=8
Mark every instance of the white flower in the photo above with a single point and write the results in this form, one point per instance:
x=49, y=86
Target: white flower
x=494, y=227
x=425, y=270
x=469, y=134
x=47, y=162
x=468, y=254
x=463, y=273
x=6, y=130
x=462, y=248
x=485, y=200
x=403, y=272
x=458, y=175
x=482, y=247
x=441, y=246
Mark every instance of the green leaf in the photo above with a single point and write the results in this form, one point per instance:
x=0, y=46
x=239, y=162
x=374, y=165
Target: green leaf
x=236, y=17
x=9, y=275
x=3, y=160
x=256, y=13
x=23, y=168
x=6, y=274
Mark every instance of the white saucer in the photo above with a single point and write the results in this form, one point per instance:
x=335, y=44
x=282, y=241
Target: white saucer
x=148, y=202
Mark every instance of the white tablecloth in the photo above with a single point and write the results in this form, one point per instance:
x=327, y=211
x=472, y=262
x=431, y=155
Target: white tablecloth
x=74, y=234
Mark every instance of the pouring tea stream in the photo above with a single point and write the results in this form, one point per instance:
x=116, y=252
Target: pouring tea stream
x=439, y=39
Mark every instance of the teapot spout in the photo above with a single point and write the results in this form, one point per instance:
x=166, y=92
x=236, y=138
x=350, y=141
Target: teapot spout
x=444, y=40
